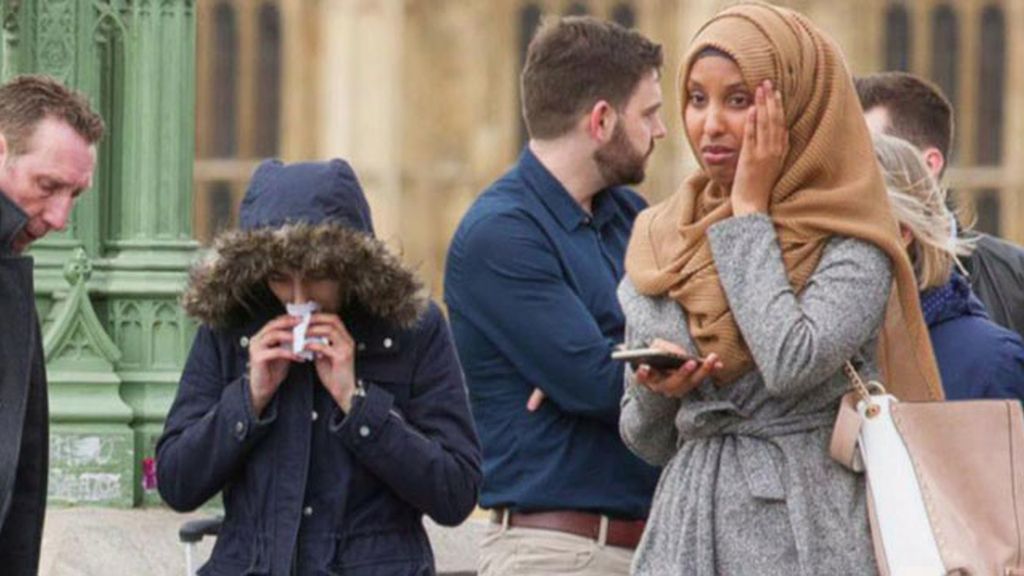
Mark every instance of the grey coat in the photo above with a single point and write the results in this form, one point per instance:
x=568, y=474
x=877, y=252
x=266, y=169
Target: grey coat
x=748, y=486
x=24, y=423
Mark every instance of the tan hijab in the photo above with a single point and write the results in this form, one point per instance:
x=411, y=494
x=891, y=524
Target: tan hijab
x=830, y=186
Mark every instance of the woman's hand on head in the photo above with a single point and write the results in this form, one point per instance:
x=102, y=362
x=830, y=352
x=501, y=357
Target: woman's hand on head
x=676, y=383
x=269, y=360
x=336, y=360
x=765, y=145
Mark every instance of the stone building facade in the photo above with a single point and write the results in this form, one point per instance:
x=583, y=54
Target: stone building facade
x=421, y=95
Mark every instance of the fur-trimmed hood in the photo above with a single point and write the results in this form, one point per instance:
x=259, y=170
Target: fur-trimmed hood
x=311, y=218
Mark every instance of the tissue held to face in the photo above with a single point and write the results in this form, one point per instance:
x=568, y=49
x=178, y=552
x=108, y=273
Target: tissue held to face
x=291, y=288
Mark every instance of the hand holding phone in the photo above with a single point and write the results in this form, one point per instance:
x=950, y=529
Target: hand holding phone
x=656, y=358
x=669, y=369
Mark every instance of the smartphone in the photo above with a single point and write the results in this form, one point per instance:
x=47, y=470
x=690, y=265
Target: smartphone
x=656, y=358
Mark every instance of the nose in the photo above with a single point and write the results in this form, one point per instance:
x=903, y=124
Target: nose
x=300, y=290
x=659, y=128
x=57, y=212
x=714, y=123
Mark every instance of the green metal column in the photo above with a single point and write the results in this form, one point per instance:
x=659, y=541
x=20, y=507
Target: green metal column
x=148, y=235
x=132, y=233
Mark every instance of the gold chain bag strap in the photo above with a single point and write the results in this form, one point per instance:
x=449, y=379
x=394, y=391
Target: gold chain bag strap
x=945, y=480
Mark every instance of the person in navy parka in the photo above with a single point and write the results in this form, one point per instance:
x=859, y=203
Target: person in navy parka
x=326, y=466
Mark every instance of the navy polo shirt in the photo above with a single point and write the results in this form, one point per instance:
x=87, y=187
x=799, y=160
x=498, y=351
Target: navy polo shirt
x=530, y=284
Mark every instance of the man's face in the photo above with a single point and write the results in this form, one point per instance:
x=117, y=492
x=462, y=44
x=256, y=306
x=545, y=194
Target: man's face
x=880, y=122
x=45, y=180
x=878, y=119
x=622, y=159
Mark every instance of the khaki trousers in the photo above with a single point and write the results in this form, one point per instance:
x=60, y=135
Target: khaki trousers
x=507, y=551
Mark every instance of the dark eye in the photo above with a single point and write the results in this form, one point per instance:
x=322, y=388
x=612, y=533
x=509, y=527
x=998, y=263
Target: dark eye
x=696, y=99
x=277, y=277
x=739, y=100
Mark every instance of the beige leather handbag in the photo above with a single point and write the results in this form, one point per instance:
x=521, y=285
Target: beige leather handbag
x=945, y=480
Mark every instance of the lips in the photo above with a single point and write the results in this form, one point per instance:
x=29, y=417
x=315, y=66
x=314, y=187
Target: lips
x=717, y=155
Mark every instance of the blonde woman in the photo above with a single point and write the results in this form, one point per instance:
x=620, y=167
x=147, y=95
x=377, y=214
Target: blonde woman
x=977, y=358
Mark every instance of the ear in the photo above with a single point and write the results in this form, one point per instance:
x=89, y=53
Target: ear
x=935, y=161
x=3, y=149
x=601, y=121
x=906, y=236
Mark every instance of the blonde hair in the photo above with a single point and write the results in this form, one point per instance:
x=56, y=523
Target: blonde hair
x=919, y=203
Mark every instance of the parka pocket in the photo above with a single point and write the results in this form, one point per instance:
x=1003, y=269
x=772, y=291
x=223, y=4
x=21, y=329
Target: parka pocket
x=235, y=555
x=397, y=568
x=382, y=553
x=260, y=564
x=222, y=568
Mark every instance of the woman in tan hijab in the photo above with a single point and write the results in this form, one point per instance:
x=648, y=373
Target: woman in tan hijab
x=775, y=263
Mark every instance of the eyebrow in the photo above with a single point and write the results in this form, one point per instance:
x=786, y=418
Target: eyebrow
x=693, y=84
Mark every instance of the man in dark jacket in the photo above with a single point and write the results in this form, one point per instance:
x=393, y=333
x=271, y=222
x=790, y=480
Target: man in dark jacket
x=322, y=395
x=48, y=138
x=915, y=110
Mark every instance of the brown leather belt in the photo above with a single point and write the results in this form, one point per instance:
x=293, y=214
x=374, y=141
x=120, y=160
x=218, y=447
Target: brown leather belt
x=621, y=533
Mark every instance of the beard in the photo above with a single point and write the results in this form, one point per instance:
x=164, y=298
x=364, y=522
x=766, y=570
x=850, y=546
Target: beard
x=619, y=163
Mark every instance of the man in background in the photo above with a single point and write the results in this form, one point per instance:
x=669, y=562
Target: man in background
x=914, y=109
x=531, y=283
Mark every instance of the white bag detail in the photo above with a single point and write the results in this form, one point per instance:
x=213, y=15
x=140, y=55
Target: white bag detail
x=945, y=480
x=904, y=529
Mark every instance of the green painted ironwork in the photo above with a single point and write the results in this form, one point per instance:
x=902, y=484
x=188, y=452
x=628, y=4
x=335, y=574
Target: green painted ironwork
x=117, y=339
x=91, y=441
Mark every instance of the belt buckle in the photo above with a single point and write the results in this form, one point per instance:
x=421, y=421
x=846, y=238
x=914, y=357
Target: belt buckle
x=500, y=516
x=602, y=530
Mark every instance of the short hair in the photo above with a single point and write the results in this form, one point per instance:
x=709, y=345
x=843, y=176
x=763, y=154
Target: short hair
x=919, y=204
x=28, y=99
x=574, y=62
x=918, y=110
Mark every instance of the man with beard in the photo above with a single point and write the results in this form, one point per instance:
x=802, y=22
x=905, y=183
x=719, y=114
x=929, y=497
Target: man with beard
x=531, y=284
